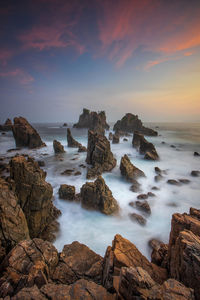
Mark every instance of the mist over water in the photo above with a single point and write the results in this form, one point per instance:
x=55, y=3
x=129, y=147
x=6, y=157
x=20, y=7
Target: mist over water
x=97, y=230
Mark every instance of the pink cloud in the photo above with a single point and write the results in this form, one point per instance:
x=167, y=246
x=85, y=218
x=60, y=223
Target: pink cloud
x=20, y=75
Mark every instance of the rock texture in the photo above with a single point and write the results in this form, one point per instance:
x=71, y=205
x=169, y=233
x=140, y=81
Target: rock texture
x=99, y=155
x=7, y=126
x=34, y=194
x=144, y=147
x=25, y=135
x=128, y=170
x=115, y=139
x=131, y=123
x=97, y=195
x=71, y=141
x=67, y=192
x=93, y=121
x=58, y=147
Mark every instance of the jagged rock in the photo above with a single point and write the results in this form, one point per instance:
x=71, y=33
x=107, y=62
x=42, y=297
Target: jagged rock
x=58, y=147
x=115, y=139
x=131, y=123
x=159, y=255
x=97, y=195
x=128, y=170
x=29, y=263
x=173, y=182
x=144, y=147
x=138, y=218
x=13, y=225
x=196, y=153
x=78, y=261
x=93, y=121
x=195, y=173
x=25, y=135
x=124, y=254
x=144, y=206
x=110, y=136
x=82, y=149
x=99, y=155
x=67, y=192
x=34, y=194
x=7, y=126
x=71, y=141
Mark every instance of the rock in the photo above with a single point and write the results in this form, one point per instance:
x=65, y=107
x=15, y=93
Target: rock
x=128, y=170
x=172, y=146
x=41, y=163
x=159, y=255
x=135, y=217
x=151, y=156
x=158, y=170
x=82, y=166
x=196, y=153
x=131, y=123
x=67, y=192
x=144, y=147
x=77, y=173
x=195, y=173
x=137, y=137
x=29, y=263
x=173, y=182
x=144, y=206
x=34, y=194
x=142, y=196
x=58, y=147
x=7, y=126
x=154, y=243
x=31, y=293
x=99, y=155
x=71, y=141
x=67, y=172
x=135, y=187
x=82, y=149
x=124, y=254
x=184, y=181
x=13, y=225
x=125, y=139
x=78, y=261
x=65, y=125
x=150, y=194
x=25, y=135
x=155, y=188
x=93, y=121
x=110, y=136
x=115, y=139
x=158, y=178
x=97, y=195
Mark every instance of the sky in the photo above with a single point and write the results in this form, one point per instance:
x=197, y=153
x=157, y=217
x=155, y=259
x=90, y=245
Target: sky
x=137, y=56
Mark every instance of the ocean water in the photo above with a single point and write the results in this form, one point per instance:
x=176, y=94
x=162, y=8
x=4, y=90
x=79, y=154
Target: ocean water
x=97, y=230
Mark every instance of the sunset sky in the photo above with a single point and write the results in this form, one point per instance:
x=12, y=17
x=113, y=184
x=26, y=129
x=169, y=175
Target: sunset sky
x=139, y=56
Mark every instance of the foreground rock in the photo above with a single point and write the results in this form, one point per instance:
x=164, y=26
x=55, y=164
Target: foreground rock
x=131, y=123
x=58, y=147
x=34, y=195
x=71, y=141
x=128, y=170
x=93, y=121
x=67, y=192
x=25, y=135
x=7, y=126
x=97, y=195
x=144, y=147
x=99, y=155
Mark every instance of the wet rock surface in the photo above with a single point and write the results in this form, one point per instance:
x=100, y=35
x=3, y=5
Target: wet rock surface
x=66, y=192
x=128, y=170
x=58, y=147
x=138, y=218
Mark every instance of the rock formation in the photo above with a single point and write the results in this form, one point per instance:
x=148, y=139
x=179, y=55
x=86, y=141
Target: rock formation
x=34, y=194
x=131, y=123
x=82, y=149
x=115, y=139
x=58, y=147
x=97, y=195
x=144, y=147
x=99, y=155
x=67, y=192
x=7, y=126
x=71, y=141
x=93, y=121
x=128, y=170
x=25, y=135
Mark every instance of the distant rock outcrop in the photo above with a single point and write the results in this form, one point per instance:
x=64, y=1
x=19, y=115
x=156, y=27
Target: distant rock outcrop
x=144, y=147
x=25, y=135
x=97, y=195
x=131, y=123
x=128, y=170
x=7, y=126
x=34, y=196
x=58, y=147
x=99, y=155
x=93, y=121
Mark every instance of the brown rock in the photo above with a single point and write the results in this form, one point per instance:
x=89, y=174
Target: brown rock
x=135, y=187
x=137, y=137
x=99, y=155
x=82, y=149
x=67, y=172
x=158, y=170
x=7, y=126
x=135, y=217
x=144, y=147
x=77, y=173
x=115, y=139
x=144, y=206
x=150, y=194
x=110, y=136
x=128, y=170
x=71, y=141
x=97, y=195
x=34, y=194
x=67, y=192
x=173, y=182
x=142, y=196
x=78, y=261
x=25, y=135
x=58, y=147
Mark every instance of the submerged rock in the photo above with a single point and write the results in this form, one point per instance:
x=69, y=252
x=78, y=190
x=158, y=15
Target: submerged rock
x=71, y=141
x=7, y=126
x=128, y=170
x=135, y=187
x=97, y=195
x=144, y=206
x=136, y=217
x=67, y=192
x=58, y=147
x=131, y=123
x=25, y=135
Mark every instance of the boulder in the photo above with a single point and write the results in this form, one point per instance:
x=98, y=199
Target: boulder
x=58, y=147
x=7, y=126
x=115, y=139
x=142, y=196
x=67, y=192
x=128, y=170
x=125, y=139
x=25, y=135
x=131, y=123
x=173, y=182
x=196, y=153
x=99, y=155
x=34, y=194
x=93, y=121
x=138, y=218
x=125, y=254
x=71, y=141
x=143, y=206
x=97, y=195
x=195, y=173
x=77, y=261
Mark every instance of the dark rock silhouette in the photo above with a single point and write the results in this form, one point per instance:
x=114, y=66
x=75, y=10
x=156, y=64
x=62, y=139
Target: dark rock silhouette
x=71, y=141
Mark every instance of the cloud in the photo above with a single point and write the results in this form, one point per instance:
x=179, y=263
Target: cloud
x=20, y=75
x=5, y=55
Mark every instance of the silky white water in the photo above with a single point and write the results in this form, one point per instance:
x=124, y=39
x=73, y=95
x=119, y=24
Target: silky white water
x=97, y=230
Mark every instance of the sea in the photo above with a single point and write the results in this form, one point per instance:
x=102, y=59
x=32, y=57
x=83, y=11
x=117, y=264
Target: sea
x=175, y=144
